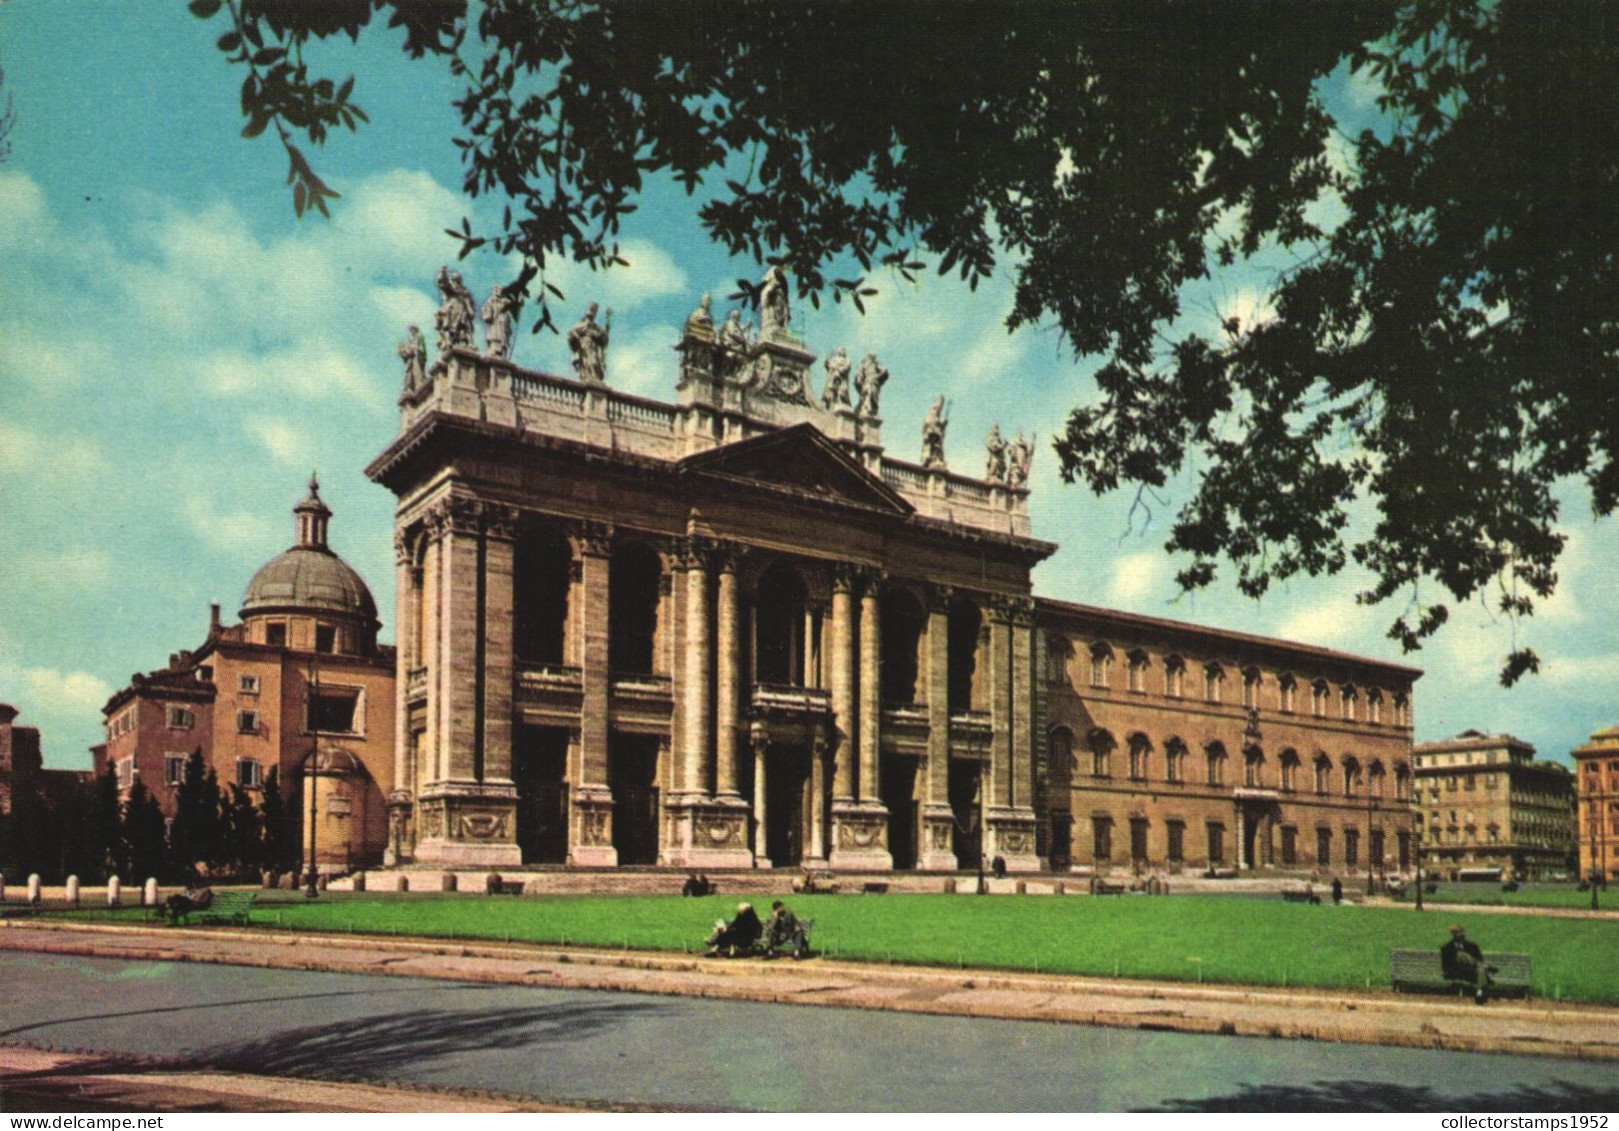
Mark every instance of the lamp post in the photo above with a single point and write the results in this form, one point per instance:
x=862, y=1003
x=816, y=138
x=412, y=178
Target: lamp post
x=1595, y=875
x=1419, y=869
x=311, y=768
x=1369, y=884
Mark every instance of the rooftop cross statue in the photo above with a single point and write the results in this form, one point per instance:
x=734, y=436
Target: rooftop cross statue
x=497, y=320
x=588, y=341
x=933, y=428
x=774, y=313
x=1019, y=454
x=995, y=469
x=455, y=317
x=836, y=391
x=413, y=352
x=868, y=382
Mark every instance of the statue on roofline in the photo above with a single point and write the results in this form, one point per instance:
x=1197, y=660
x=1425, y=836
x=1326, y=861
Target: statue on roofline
x=933, y=429
x=869, y=380
x=588, y=341
x=995, y=469
x=1019, y=455
x=413, y=352
x=836, y=391
x=497, y=320
x=456, y=313
x=774, y=312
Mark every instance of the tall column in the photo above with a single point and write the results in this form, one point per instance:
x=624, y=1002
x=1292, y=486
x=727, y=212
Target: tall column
x=818, y=751
x=694, y=695
x=1000, y=706
x=432, y=653
x=500, y=534
x=728, y=683
x=871, y=660
x=843, y=705
x=592, y=798
x=401, y=796
x=458, y=638
x=1009, y=810
x=936, y=853
x=761, y=815
x=1023, y=736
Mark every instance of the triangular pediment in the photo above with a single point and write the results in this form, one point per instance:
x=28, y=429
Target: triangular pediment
x=798, y=461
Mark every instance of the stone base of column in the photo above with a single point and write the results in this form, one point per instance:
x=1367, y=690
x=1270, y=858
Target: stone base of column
x=1011, y=837
x=707, y=832
x=590, y=828
x=468, y=825
x=401, y=832
x=938, y=831
x=860, y=836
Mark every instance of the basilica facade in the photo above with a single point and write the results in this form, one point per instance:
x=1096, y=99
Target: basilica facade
x=734, y=631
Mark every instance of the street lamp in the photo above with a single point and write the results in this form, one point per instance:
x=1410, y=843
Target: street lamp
x=1595, y=874
x=1369, y=884
x=311, y=768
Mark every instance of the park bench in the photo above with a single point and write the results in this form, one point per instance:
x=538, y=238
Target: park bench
x=1294, y=895
x=872, y=887
x=817, y=883
x=1420, y=971
x=496, y=885
x=1104, y=887
x=228, y=907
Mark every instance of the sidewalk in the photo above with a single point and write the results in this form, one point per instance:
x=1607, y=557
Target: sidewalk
x=1369, y=1017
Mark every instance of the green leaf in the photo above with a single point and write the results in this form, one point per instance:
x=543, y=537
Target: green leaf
x=205, y=9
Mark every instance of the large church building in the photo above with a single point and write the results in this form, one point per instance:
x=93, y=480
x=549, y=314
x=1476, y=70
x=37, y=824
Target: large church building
x=733, y=631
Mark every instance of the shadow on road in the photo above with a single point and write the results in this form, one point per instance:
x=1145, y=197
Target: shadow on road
x=374, y=1047
x=1365, y=1096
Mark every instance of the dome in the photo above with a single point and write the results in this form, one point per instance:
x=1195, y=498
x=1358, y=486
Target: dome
x=309, y=577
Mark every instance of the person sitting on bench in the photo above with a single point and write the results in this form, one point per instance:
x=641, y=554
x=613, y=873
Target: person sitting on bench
x=784, y=929
x=194, y=898
x=739, y=935
x=1462, y=961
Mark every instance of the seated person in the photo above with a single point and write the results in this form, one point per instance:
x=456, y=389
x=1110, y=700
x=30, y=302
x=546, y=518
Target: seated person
x=690, y=887
x=739, y=935
x=783, y=928
x=1463, y=962
x=194, y=898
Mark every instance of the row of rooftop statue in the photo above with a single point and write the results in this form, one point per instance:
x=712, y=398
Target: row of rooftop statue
x=458, y=315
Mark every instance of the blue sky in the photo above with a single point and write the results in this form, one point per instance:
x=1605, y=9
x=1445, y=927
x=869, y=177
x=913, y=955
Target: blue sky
x=177, y=352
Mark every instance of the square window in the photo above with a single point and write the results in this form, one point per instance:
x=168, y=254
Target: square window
x=174, y=769
x=180, y=718
x=248, y=684
x=247, y=722
x=275, y=635
x=249, y=774
x=334, y=711
x=325, y=638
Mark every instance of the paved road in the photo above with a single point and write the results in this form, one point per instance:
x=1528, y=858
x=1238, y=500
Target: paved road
x=686, y=1052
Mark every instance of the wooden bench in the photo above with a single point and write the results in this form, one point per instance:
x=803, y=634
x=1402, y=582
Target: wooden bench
x=1290, y=895
x=1420, y=971
x=233, y=907
x=1103, y=887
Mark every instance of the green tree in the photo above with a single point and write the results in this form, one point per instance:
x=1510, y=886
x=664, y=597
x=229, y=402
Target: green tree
x=279, y=845
x=104, y=830
x=143, y=834
x=244, y=835
x=1443, y=345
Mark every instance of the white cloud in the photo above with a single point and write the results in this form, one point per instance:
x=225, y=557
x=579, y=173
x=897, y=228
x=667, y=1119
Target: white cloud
x=52, y=691
x=1137, y=576
x=285, y=443
x=235, y=532
x=44, y=457
x=24, y=218
x=645, y=363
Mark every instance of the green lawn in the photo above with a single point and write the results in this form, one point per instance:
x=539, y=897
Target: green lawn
x=1184, y=938
x=1561, y=895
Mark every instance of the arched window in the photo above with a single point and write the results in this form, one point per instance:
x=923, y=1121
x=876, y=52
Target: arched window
x=1138, y=670
x=1319, y=693
x=779, y=627
x=1289, y=764
x=1402, y=781
x=1374, y=706
x=1347, y=698
x=1061, y=745
x=1174, y=760
x=1215, y=753
x=904, y=635
x=1140, y=756
x=1101, y=665
x=1375, y=778
x=1352, y=777
x=1174, y=677
x=1251, y=681
x=1286, y=686
x=1402, y=709
x=1102, y=745
x=634, y=577
x=1213, y=677
x=1323, y=773
x=965, y=623
x=1253, y=767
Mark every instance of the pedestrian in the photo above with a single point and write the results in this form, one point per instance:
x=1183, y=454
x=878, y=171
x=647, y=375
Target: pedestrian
x=1337, y=891
x=1463, y=963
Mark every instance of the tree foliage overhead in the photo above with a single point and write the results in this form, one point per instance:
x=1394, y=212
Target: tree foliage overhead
x=1442, y=346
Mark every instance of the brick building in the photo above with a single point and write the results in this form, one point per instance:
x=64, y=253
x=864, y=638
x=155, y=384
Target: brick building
x=736, y=631
x=302, y=668
x=1596, y=774
x=1484, y=801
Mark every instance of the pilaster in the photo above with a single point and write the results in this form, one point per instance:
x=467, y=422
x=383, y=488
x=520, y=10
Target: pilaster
x=937, y=819
x=399, y=800
x=862, y=828
x=727, y=684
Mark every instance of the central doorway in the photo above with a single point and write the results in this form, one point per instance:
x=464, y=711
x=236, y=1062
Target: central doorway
x=899, y=774
x=787, y=805
x=632, y=770
x=539, y=763
x=967, y=834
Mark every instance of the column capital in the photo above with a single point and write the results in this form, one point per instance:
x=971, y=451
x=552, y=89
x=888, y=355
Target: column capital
x=404, y=548
x=845, y=575
x=695, y=552
x=595, y=539
x=727, y=556
x=872, y=579
x=501, y=521
x=938, y=598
